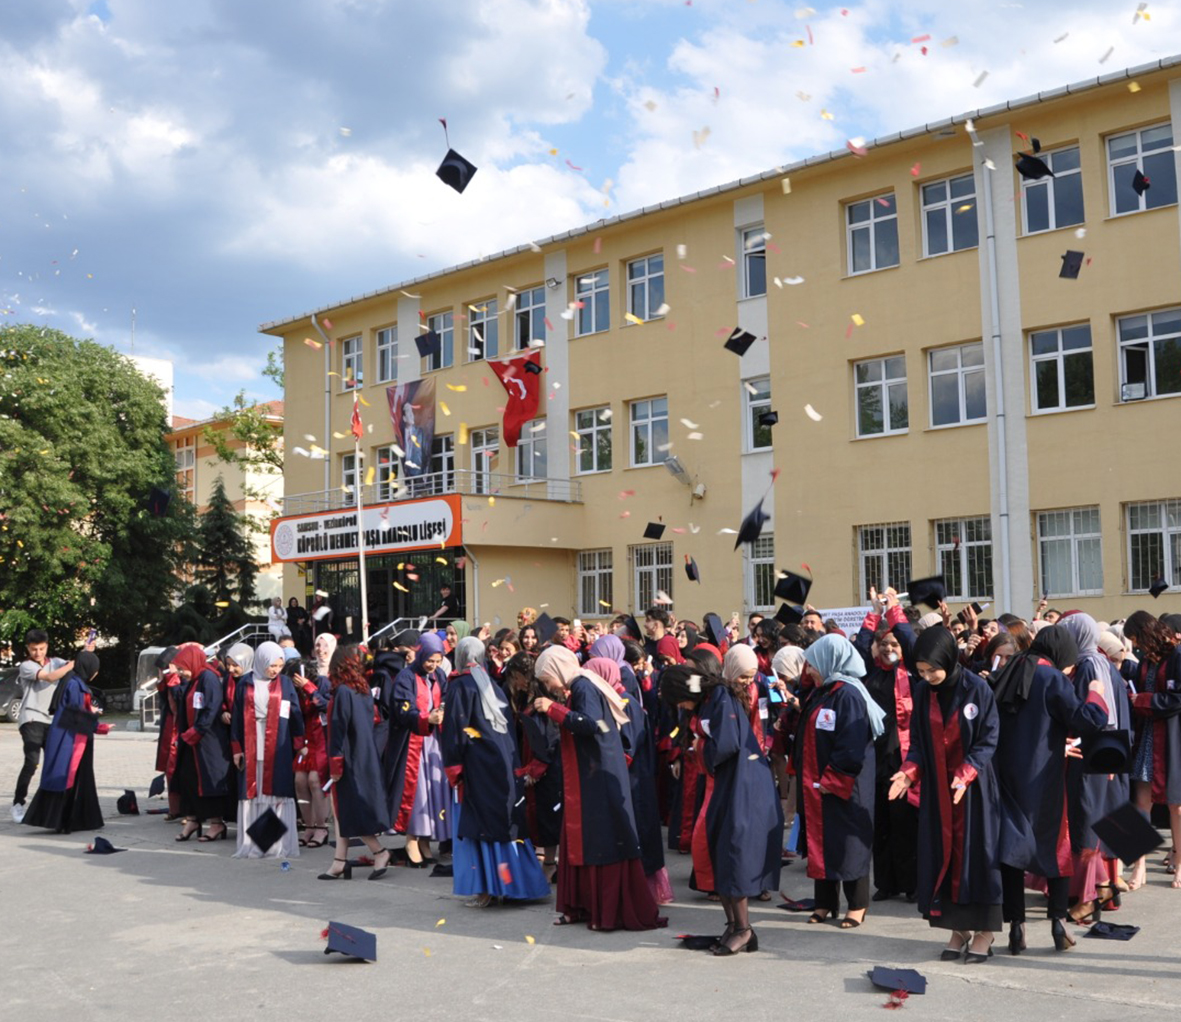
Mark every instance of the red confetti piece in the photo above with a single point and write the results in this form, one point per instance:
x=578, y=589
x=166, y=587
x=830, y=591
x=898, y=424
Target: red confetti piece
x=506, y=874
x=857, y=70
x=572, y=167
x=775, y=473
x=848, y=331
x=687, y=269
x=921, y=39
x=624, y=494
x=811, y=41
x=598, y=246
x=916, y=170
x=548, y=324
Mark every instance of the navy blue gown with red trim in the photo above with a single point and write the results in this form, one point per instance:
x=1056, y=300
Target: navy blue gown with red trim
x=414, y=696
x=1156, y=708
x=284, y=738
x=358, y=798
x=640, y=746
x=203, y=748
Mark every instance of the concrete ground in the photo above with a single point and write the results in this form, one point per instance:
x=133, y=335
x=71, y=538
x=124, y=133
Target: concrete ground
x=166, y=929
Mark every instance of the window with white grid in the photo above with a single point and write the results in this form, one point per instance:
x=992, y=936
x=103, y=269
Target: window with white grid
x=760, y=574
x=649, y=428
x=882, y=406
x=594, y=583
x=1150, y=355
x=443, y=324
x=593, y=426
x=1057, y=201
x=485, y=458
x=884, y=554
x=949, y=215
x=443, y=463
x=531, y=456
x=1070, y=549
x=387, y=354
x=645, y=286
x=754, y=261
x=871, y=234
x=653, y=565
x=186, y=467
x=352, y=363
x=1063, y=376
x=963, y=549
x=529, y=318
x=483, y=330
x=348, y=474
x=1154, y=544
x=593, y=296
x=1149, y=151
x=386, y=475
x=757, y=395
x=957, y=385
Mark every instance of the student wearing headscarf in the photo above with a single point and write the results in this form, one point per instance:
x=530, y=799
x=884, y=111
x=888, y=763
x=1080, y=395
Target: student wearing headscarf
x=1038, y=711
x=600, y=875
x=67, y=799
x=953, y=736
x=167, y=685
x=491, y=858
x=419, y=794
x=834, y=764
x=265, y=734
x=203, y=762
x=738, y=835
x=311, y=763
x=787, y=666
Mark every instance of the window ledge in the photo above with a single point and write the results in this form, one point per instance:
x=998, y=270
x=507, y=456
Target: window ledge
x=1050, y=230
x=950, y=252
x=638, y=468
x=955, y=425
x=1037, y=413
x=751, y=298
x=599, y=472
x=867, y=273
x=893, y=432
x=1147, y=400
x=1137, y=212
x=758, y=450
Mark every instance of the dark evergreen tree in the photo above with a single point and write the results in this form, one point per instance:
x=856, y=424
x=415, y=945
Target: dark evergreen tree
x=225, y=557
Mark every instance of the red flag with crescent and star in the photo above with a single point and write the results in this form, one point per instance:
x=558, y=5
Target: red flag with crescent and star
x=523, y=386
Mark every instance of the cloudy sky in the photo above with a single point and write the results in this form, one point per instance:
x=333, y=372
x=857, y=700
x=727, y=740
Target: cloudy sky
x=215, y=164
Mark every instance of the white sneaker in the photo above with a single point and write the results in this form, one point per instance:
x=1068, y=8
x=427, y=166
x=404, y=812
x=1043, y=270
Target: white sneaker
x=18, y=813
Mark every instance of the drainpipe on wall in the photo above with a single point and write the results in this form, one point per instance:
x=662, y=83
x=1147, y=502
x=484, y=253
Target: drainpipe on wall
x=474, y=617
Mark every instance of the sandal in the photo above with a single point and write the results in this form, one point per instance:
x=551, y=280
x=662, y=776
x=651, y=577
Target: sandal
x=312, y=842
x=211, y=836
x=479, y=901
x=565, y=920
x=849, y=923
x=187, y=833
x=765, y=896
x=816, y=917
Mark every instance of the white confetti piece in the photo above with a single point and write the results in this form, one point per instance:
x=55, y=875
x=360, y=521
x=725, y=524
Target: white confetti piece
x=814, y=415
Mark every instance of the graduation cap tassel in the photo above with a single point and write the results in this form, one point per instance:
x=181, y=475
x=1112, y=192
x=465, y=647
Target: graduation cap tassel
x=446, y=137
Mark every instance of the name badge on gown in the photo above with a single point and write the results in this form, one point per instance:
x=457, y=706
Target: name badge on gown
x=198, y=700
x=826, y=720
x=376, y=693
x=705, y=727
x=284, y=709
x=763, y=708
x=970, y=711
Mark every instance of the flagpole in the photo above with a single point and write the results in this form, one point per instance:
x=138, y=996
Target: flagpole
x=358, y=483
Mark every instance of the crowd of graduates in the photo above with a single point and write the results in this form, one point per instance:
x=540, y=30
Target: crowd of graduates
x=958, y=764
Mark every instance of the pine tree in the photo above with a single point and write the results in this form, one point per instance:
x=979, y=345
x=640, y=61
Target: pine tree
x=225, y=560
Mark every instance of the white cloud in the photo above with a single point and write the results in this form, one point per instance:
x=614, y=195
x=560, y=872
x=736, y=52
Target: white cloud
x=195, y=408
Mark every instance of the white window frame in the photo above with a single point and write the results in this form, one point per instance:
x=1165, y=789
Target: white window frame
x=349, y=474
x=882, y=386
x=1137, y=159
x=529, y=318
x=352, y=363
x=596, y=581
x=947, y=532
x=185, y=452
x=756, y=403
x=962, y=372
x=443, y=463
x=1050, y=185
x=752, y=243
x=1074, y=535
x=386, y=343
x=530, y=444
x=1169, y=542
x=647, y=426
x=442, y=323
x=1059, y=358
x=652, y=572
x=948, y=205
x=1148, y=341
x=587, y=289
x=890, y=544
x=652, y=267
x=485, y=450
x=875, y=217
x=590, y=424
x=482, y=323
x=761, y=576
x=385, y=461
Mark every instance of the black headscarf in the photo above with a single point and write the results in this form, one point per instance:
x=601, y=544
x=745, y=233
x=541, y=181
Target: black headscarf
x=86, y=665
x=937, y=646
x=691, y=638
x=1016, y=679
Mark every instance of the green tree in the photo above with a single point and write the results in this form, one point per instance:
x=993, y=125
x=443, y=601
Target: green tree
x=225, y=560
x=82, y=449
x=248, y=424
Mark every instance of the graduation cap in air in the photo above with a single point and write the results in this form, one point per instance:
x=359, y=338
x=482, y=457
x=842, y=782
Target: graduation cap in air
x=1072, y=262
x=930, y=591
x=715, y=629
x=158, y=502
x=653, y=530
x=102, y=846
x=127, y=804
x=78, y=720
x=691, y=569
x=1140, y=183
x=267, y=830
x=792, y=587
x=790, y=614
x=1128, y=833
x=1158, y=587
x=739, y=341
x=546, y=629
x=768, y=418
x=1031, y=168
x=532, y=367
x=352, y=941
x=156, y=787
x=429, y=344
x=456, y=171
x=752, y=525
x=1108, y=752
x=632, y=628
x=898, y=979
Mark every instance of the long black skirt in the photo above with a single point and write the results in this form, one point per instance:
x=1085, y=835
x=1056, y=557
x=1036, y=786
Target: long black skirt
x=76, y=808
x=973, y=916
x=187, y=785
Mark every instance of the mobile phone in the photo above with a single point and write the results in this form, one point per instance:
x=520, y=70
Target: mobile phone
x=577, y=623
x=976, y=609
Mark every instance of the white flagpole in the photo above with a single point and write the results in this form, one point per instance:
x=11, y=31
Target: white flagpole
x=357, y=485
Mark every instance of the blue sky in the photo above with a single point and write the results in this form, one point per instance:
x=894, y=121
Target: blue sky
x=219, y=164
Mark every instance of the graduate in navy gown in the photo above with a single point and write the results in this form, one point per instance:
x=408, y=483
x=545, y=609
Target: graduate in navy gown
x=1038, y=712
x=953, y=737
x=203, y=763
x=357, y=792
x=600, y=876
x=834, y=764
x=491, y=859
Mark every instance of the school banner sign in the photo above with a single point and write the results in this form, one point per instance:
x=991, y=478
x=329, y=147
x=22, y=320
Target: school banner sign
x=428, y=524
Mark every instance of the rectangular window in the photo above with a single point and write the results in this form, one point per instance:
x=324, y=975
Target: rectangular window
x=1154, y=544
x=1071, y=552
x=957, y=385
x=1150, y=355
x=949, y=215
x=443, y=464
x=593, y=303
x=649, y=426
x=352, y=363
x=963, y=547
x=348, y=474
x=186, y=468
x=593, y=426
x=653, y=564
x=871, y=229
x=387, y=354
x=483, y=331
x=881, y=396
x=485, y=460
x=1053, y=202
x=444, y=325
x=754, y=262
x=1149, y=151
x=387, y=473
x=531, y=459
x=529, y=318
x=1062, y=375
x=645, y=287
x=757, y=394
x=594, y=583
x=761, y=574
x=884, y=552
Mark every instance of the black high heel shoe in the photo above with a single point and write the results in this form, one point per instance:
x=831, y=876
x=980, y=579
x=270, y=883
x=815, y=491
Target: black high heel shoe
x=379, y=872
x=344, y=874
x=214, y=836
x=1062, y=940
x=976, y=957
x=752, y=943
x=1016, y=938
x=727, y=933
x=185, y=833
x=954, y=954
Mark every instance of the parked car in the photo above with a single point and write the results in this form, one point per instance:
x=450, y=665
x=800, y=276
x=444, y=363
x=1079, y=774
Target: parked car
x=10, y=694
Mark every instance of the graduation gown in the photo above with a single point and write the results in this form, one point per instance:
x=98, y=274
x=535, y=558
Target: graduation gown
x=833, y=748
x=199, y=726
x=414, y=696
x=313, y=707
x=387, y=665
x=540, y=745
x=743, y=817
x=1157, y=709
x=1031, y=769
x=640, y=746
x=957, y=861
x=358, y=798
x=283, y=738
x=167, y=692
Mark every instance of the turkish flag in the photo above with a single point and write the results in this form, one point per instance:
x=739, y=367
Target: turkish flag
x=523, y=386
x=355, y=424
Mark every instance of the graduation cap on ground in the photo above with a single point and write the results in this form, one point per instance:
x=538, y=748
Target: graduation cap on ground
x=696, y=941
x=931, y=591
x=752, y=525
x=158, y=502
x=546, y=629
x=102, y=846
x=739, y=341
x=791, y=905
x=1072, y=262
x=532, y=367
x=653, y=530
x=1158, y=587
x=79, y=720
x=443, y=870
x=790, y=614
x=768, y=418
x=456, y=171
x=792, y=587
x=156, y=787
x=127, y=804
x=351, y=941
x=691, y=569
x=1112, y=931
x=1108, y=752
x=429, y=344
x=715, y=629
x=898, y=979
x=1031, y=168
x=1128, y=833
x=267, y=830
x=1140, y=183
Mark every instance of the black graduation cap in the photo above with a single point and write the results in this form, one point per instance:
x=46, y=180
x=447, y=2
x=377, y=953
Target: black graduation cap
x=1158, y=587
x=127, y=804
x=532, y=367
x=267, y=830
x=1128, y=833
x=931, y=591
x=429, y=344
x=792, y=587
x=102, y=846
x=156, y=787
x=898, y=979
x=752, y=525
x=790, y=614
x=351, y=941
x=408, y=638
x=78, y=720
x=1140, y=183
x=158, y=502
x=1112, y=931
x=456, y=171
x=1031, y=168
x=715, y=628
x=546, y=629
x=768, y=418
x=1036, y=143
x=1072, y=262
x=696, y=941
x=739, y=341
x=632, y=627
x=653, y=530
x=1108, y=752
x=691, y=569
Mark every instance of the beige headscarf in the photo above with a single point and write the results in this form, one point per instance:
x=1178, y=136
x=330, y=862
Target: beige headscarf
x=739, y=659
x=788, y=662
x=557, y=663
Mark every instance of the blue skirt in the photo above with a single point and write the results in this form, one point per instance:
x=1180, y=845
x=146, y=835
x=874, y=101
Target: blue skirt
x=503, y=869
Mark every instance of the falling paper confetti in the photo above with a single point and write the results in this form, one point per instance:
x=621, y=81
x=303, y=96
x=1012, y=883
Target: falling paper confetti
x=814, y=415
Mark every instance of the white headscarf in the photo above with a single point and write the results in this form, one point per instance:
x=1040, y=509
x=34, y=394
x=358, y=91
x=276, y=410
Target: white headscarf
x=788, y=662
x=469, y=657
